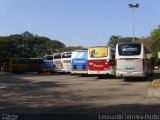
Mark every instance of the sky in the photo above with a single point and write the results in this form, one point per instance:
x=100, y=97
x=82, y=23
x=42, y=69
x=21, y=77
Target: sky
x=79, y=22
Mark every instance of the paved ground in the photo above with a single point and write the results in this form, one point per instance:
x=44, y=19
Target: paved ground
x=65, y=94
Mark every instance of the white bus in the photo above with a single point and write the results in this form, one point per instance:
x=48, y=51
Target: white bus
x=62, y=62
x=131, y=60
x=101, y=60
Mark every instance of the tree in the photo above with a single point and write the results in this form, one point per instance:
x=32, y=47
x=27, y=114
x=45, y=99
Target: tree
x=155, y=34
x=27, y=45
x=71, y=48
x=148, y=43
x=114, y=40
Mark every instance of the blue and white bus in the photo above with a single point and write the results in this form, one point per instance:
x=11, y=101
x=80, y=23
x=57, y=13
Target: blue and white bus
x=48, y=65
x=79, y=62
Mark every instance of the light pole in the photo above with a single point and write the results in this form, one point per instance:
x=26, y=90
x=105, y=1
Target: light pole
x=133, y=6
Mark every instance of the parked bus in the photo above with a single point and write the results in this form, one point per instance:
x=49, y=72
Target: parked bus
x=20, y=65
x=131, y=60
x=66, y=61
x=62, y=62
x=48, y=65
x=79, y=62
x=58, y=62
x=101, y=60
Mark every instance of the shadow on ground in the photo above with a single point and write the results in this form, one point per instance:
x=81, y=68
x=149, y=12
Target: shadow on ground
x=84, y=112
x=24, y=92
x=149, y=79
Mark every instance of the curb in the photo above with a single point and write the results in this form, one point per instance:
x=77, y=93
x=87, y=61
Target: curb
x=156, y=83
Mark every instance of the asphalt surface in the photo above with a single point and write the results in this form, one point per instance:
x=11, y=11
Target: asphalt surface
x=47, y=96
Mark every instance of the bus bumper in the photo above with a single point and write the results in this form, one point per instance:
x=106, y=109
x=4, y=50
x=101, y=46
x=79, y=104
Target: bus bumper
x=47, y=70
x=62, y=71
x=110, y=72
x=129, y=74
x=79, y=72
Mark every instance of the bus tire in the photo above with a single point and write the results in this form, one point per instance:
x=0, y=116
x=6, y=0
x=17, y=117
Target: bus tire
x=18, y=72
x=41, y=71
x=52, y=72
x=101, y=76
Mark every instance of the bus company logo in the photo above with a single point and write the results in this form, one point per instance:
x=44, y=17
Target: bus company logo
x=129, y=68
x=79, y=61
x=98, y=65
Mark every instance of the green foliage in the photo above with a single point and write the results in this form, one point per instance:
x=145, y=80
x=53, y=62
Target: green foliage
x=147, y=42
x=155, y=34
x=114, y=40
x=71, y=48
x=27, y=45
x=129, y=39
x=151, y=43
x=156, y=46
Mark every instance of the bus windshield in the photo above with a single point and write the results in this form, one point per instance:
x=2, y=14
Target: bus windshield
x=57, y=56
x=98, y=52
x=48, y=57
x=79, y=54
x=129, y=49
x=66, y=55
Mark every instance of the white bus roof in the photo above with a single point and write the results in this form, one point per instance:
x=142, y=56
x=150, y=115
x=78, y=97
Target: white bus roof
x=57, y=53
x=67, y=52
x=102, y=46
x=80, y=51
x=130, y=43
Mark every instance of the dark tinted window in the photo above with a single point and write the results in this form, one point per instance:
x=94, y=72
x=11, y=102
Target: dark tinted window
x=66, y=55
x=57, y=56
x=48, y=57
x=129, y=49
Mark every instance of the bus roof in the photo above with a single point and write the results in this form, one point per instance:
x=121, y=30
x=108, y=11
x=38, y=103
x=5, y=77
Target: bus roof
x=67, y=52
x=57, y=53
x=80, y=51
x=130, y=43
x=102, y=46
x=99, y=46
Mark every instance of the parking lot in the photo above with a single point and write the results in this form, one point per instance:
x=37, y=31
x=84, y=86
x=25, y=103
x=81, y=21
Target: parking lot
x=34, y=93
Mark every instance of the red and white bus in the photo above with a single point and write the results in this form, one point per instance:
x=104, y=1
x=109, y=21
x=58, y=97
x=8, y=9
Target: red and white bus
x=101, y=60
